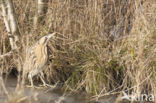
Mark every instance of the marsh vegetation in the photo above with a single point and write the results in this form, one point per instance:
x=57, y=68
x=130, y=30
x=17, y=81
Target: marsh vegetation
x=103, y=47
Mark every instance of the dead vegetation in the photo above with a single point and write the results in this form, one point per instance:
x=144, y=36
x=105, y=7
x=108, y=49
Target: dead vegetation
x=105, y=47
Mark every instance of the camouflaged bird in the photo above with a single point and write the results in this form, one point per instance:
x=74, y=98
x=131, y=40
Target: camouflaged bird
x=37, y=59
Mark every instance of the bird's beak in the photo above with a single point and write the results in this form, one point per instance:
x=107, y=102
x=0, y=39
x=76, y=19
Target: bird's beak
x=50, y=35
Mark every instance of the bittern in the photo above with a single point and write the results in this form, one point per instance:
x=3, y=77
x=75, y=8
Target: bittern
x=37, y=59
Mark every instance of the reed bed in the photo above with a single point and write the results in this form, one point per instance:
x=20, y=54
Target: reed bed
x=104, y=47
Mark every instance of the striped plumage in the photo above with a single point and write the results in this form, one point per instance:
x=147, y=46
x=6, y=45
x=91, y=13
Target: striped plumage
x=37, y=58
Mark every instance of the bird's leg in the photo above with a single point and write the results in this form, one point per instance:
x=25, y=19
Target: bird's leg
x=41, y=77
x=44, y=83
x=30, y=79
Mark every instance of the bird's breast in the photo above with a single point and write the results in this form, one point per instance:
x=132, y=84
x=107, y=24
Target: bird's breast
x=41, y=55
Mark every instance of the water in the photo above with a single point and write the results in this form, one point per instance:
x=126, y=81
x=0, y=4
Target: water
x=49, y=95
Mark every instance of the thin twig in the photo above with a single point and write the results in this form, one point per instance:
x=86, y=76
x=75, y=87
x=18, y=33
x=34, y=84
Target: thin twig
x=3, y=86
x=7, y=54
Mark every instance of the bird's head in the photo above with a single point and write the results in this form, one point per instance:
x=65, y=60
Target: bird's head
x=46, y=38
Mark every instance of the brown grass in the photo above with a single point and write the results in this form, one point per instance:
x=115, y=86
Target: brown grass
x=108, y=46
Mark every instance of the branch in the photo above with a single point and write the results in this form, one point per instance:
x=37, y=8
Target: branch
x=3, y=86
x=7, y=54
x=10, y=22
x=42, y=7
